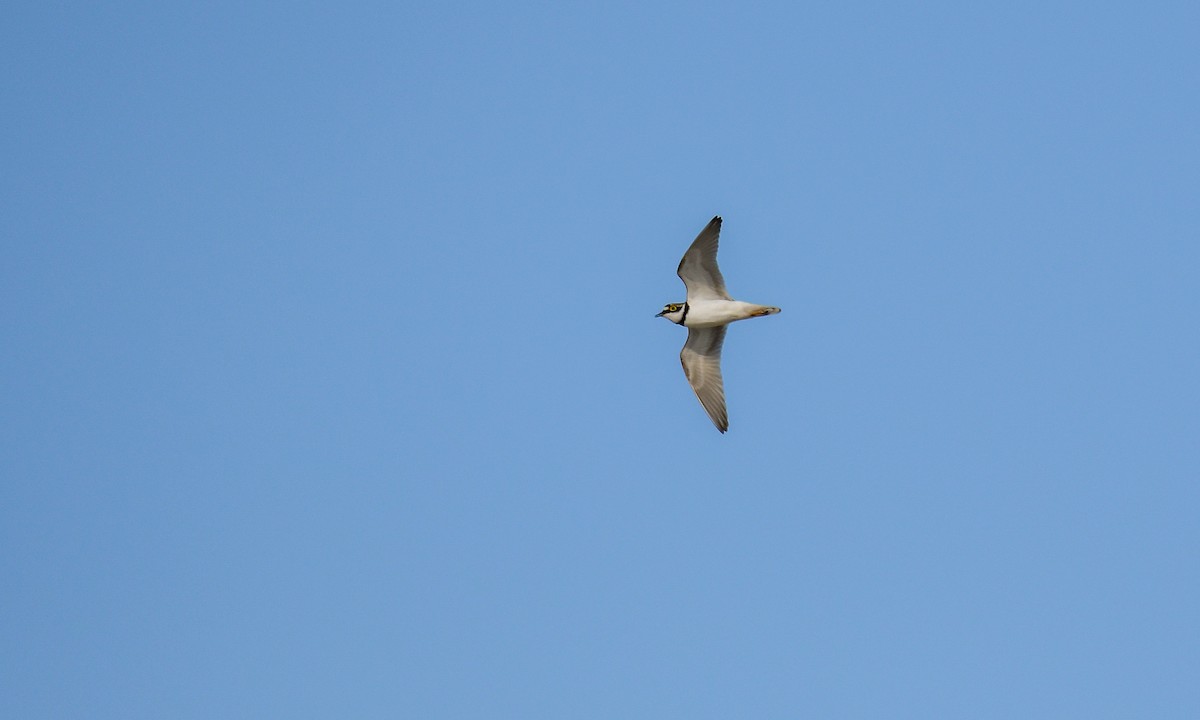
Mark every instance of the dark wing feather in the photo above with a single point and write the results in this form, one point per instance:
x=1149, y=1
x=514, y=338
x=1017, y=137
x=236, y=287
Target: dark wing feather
x=698, y=268
x=701, y=358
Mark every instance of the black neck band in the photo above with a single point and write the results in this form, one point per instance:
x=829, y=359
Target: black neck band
x=685, y=309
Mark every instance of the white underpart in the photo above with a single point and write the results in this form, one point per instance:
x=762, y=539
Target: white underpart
x=711, y=313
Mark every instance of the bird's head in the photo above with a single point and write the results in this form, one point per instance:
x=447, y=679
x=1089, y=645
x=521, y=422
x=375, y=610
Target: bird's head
x=674, y=312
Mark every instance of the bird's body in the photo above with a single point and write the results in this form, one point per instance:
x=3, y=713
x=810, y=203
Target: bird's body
x=706, y=313
x=714, y=313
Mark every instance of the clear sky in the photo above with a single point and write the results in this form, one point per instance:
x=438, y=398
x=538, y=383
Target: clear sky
x=332, y=386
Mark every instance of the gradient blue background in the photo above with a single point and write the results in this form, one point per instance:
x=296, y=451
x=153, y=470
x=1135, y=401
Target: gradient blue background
x=331, y=386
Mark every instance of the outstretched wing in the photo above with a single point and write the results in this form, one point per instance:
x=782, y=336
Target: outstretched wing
x=698, y=268
x=701, y=358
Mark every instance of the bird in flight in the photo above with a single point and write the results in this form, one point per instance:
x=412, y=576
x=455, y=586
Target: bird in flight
x=706, y=313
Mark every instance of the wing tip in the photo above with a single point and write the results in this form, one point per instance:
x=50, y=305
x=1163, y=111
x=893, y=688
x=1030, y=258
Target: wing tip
x=719, y=415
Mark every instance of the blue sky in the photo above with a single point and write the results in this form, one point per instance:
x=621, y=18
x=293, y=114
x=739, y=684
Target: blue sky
x=331, y=386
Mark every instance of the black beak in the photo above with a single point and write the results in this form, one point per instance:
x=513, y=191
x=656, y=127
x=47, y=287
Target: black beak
x=661, y=314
